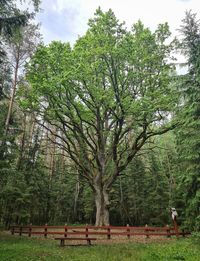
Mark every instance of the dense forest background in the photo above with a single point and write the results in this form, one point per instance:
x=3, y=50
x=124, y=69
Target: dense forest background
x=43, y=177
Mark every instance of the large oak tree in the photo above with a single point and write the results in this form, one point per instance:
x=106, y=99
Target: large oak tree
x=106, y=97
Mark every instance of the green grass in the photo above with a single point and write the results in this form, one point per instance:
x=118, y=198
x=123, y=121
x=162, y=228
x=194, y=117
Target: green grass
x=15, y=248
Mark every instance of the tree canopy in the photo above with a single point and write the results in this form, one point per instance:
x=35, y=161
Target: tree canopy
x=105, y=97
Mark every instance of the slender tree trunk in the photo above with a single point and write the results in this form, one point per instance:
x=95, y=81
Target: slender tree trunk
x=14, y=86
x=22, y=143
x=52, y=159
x=76, y=196
x=121, y=201
x=31, y=130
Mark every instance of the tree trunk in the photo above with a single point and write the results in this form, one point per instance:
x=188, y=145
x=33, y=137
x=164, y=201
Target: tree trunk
x=22, y=143
x=76, y=197
x=102, y=206
x=12, y=98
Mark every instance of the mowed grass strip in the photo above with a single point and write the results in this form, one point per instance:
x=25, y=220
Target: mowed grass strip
x=15, y=248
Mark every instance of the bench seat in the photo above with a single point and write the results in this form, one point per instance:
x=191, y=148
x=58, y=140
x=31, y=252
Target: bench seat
x=62, y=239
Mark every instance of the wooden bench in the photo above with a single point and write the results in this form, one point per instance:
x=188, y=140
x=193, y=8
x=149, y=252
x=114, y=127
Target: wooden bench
x=62, y=239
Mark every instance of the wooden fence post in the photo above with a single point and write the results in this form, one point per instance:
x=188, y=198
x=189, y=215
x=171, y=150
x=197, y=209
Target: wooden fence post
x=30, y=230
x=12, y=230
x=20, y=230
x=147, y=231
x=86, y=230
x=108, y=235
x=168, y=231
x=65, y=230
x=128, y=231
x=45, y=231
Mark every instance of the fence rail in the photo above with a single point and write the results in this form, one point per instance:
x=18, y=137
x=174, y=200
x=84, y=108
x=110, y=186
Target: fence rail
x=109, y=231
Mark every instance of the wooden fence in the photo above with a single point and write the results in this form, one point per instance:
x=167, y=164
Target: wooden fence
x=107, y=231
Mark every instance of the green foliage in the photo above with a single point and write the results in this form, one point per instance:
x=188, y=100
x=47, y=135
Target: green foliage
x=195, y=237
x=188, y=134
x=11, y=17
x=106, y=96
x=145, y=193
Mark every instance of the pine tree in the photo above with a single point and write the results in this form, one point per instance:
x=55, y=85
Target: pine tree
x=188, y=134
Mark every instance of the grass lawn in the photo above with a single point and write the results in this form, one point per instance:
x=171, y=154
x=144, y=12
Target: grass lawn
x=15, y=248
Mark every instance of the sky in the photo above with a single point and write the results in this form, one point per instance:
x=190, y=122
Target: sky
x=65, y=20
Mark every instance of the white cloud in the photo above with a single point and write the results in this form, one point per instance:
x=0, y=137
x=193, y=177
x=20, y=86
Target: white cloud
x=73, y=15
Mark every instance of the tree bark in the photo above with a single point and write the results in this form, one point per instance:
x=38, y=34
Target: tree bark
x=102, y=206
x=12, y=98
x=22, y=143
x=76, y=196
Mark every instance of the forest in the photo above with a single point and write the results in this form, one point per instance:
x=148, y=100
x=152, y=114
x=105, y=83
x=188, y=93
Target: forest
x=105, y=131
